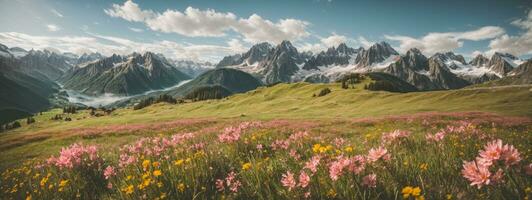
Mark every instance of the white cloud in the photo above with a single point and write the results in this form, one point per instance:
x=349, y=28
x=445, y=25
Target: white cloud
x=518, y=45
x=194, y=22
x=108, y=45
x=52, y=27
x=56, y=13
x=448, y=41
x=130, y=11
x=364, y=42
x=334, y=40
x=138, y=30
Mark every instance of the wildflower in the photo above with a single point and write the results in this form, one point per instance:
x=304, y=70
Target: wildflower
x=246, y=166
x=313, y=163
x=28, y=197
x=157, y=173
x=288, y=180
x=424, y=166
x=510, y=155
x=449, y=196
x=376, y=154
x=43, y=181
x=63, y=183
x=348, y=149
x=407, y=191
x=336, y=168
x=331, y=193
x=477, y=173
x=181, y=187
x=304, y=179
x=416, y=192
x=259, y=147
x=145, y=164
x=370, y=180
x=129, y=189
x=357, y=164
x=156, y=164
x=109, y=172
x=492, y=151
x=394, y=135
x=178, y=162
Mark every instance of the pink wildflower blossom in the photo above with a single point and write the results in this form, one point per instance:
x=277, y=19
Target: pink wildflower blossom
x=336, y=168
x=288, y=180
x=358, y=164
x=313, y=163
x=109, y=172
x=378, y=153
x=477, y=174
x=304, y=179
x=370, y=180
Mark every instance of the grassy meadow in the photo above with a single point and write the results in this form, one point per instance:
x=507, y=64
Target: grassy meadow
x=280, y=142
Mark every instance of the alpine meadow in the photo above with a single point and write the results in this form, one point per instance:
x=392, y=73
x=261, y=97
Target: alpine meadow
x=305, y=99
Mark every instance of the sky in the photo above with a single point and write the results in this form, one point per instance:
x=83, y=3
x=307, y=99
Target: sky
x=204, y=30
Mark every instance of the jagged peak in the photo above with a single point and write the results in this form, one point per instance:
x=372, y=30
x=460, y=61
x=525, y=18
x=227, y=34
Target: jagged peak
x=414, y=51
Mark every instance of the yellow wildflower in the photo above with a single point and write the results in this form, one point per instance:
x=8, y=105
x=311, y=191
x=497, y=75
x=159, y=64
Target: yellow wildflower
x=449, y=196
x=348, y=149
x=420, y=198
x=178, y=162
x=156, y=164
x=157, y=173
x=28, y=197
x=246, y=166
x=43, y=181
x=424, y=166
x=406, y=192
x=129, y=189
x=316, y=148
x=145, y=164
x=181, y=187
x=129, y=177
x=63, y=183
x=416, y=191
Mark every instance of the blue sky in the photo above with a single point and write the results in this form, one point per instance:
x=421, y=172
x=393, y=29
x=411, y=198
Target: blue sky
x=208, y=30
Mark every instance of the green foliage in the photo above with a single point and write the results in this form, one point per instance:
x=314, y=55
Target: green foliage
x=149, y=101
x=70, y=109
x=208, y=92
x=351, y=80
x=386, y=82
x=30, y=120
x=324, y=92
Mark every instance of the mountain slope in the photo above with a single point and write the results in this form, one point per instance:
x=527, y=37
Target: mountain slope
x=124, y=76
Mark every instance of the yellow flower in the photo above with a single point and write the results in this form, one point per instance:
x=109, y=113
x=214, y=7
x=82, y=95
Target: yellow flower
x=424, y=166
x=28, y=197
x=145, y=164
x=181, y=187
x=63, y=183
x=146, y=182
x=162, y=196
x=129, y=189
x=348, y=149
x=331, y=193
x=50, y=186
x=420, y=198
x=246, y=166
x=155, y=164
x=146, y=175
x=178, y=162
x=416, y=191
x=316, y=148
x=449, y=196
x=129, y=177
x=406, y=192
x=188, y=160
x=43, y=181
x=157, y=173
x=159, y=184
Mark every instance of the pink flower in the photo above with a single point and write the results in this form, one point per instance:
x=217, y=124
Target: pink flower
x=477, y=174
x=75, y=155
x=304, y=179
x=436, y=137
x=336, y=168
x=510, y=155
x=280, y=144
x=394, y=135
x=230, y=181
x=293, y=153
x=259, y=146
x=338, y=142
x=358, y=164
x=109, y=172
x=288, y=180
x=370, y=180
x=498, y=176
x=492, y=151
x=109, y=186
x=313, y=163
x=376, y=154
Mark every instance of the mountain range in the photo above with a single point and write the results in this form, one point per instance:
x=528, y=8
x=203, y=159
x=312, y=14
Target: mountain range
x=283, y=63
x=41, y=75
